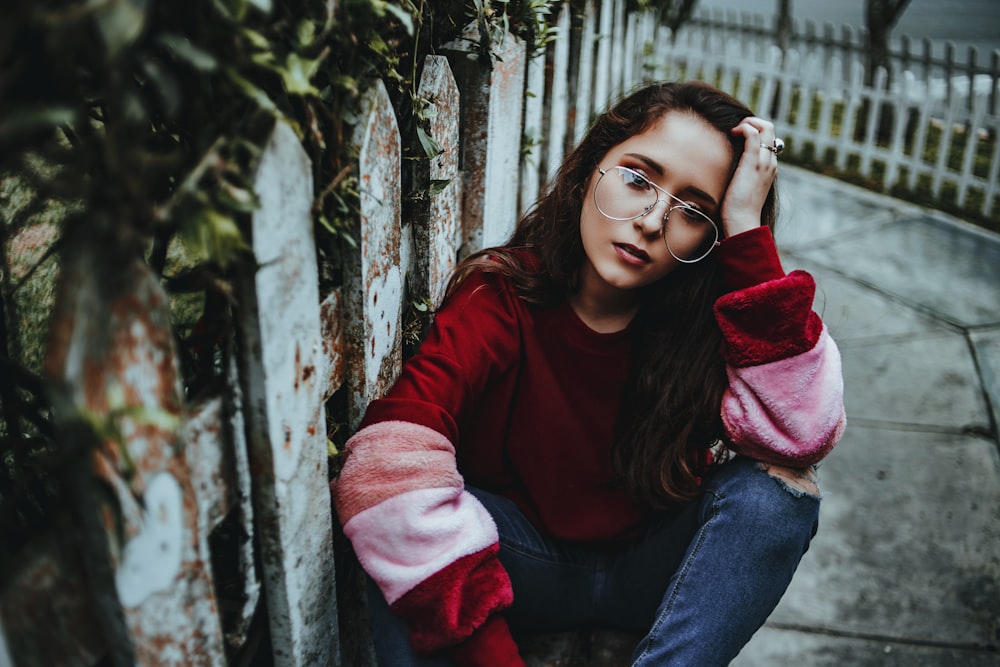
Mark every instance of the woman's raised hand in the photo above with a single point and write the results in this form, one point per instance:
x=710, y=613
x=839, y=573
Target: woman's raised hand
x=744, y=199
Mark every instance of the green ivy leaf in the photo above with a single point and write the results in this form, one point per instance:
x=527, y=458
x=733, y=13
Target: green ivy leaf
x=33, y=120
x=306, y=32
x=403, y=16
x=437, y=186
x=250, y=90
x=213, y=236
x=184, y=51
x=297, y=74
x=256, y=39
x=120, y=22
x=241, y=200
x=327, y=225
x=428, y=143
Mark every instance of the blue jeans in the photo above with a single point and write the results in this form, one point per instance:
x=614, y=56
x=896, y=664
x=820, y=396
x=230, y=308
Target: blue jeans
x=696, y=585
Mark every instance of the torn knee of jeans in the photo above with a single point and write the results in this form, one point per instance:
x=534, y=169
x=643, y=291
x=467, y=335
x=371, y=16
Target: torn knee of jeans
x=798, y=481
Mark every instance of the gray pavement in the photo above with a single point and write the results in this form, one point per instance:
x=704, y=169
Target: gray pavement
x=906, y=567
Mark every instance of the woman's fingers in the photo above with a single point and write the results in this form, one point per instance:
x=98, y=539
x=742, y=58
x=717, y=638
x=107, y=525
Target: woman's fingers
x=759, y=136
x=752, y=180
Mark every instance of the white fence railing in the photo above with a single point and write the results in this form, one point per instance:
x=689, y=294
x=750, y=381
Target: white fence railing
x=897, y=137
x=254, y=457
x=942, y=70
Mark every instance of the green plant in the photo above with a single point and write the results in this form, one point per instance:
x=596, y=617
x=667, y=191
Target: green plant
x=143, y=118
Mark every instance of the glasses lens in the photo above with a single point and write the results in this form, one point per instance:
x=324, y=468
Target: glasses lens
x=689, y=234
x=623, y=194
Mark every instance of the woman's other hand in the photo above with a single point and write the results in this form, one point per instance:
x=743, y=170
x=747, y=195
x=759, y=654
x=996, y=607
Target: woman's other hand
x=744, y=199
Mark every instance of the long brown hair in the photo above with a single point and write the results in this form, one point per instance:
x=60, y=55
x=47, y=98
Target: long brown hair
x=671, y=413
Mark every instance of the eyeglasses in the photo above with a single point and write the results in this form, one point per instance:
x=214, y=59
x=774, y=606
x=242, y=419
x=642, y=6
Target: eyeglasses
x=625, y=194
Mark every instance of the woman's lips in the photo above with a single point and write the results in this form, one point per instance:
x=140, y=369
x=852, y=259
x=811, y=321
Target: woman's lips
x=632, y=255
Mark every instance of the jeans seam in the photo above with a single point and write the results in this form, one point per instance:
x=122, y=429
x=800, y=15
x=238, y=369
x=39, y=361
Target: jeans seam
x=682, y=574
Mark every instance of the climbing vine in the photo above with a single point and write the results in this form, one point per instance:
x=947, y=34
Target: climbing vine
x=137, y=123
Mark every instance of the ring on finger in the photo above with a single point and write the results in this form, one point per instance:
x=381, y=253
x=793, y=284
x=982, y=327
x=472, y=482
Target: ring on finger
x=776, y=147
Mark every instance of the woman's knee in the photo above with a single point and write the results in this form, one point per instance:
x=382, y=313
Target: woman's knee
x=796, y=481
x=773, y=500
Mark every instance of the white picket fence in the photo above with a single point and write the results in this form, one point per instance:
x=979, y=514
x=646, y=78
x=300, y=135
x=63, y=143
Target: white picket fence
x=940, y=70
x=256, y=455
x=944, y=151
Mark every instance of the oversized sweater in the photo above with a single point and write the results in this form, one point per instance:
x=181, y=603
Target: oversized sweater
x=523, y=401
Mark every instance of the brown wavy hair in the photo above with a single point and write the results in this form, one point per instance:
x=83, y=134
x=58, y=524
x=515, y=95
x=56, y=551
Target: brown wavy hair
x=671, y=411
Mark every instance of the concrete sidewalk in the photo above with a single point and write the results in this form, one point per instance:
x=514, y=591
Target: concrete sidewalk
x=906, y=567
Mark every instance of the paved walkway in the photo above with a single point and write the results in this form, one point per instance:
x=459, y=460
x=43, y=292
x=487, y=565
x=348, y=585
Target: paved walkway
x=906, y=567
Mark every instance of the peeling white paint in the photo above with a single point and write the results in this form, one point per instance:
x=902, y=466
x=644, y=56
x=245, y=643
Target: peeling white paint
x=533, y=109
x=383, y=304
x=584, y=91
x=152, y=559
x=286, y=425
x=504, y=155
x=374, y=280
x=559, y=100
x=444, y=223
x=287, y=285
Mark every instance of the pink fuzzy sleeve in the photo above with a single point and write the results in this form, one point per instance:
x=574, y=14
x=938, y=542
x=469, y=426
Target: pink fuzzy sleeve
x=427, y=542
x=788, y=412
x=785, y=402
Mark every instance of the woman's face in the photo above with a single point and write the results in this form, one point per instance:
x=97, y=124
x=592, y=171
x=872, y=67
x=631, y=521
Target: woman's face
x=685, y=156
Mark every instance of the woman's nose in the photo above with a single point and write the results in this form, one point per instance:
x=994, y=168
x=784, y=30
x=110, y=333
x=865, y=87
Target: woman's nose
x=651, y=222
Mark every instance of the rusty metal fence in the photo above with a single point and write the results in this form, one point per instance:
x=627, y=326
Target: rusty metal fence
x=237, y=482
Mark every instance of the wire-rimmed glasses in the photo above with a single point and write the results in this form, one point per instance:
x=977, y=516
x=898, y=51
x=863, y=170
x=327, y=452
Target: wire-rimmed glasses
x=622, y=194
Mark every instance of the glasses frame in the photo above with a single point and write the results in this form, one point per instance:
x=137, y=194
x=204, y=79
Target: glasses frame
x=670, y=207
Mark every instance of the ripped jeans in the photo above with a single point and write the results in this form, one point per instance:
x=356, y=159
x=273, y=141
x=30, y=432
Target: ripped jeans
x=696, y=585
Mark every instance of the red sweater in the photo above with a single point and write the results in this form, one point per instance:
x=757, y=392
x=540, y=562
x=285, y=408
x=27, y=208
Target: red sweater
x=523, y=401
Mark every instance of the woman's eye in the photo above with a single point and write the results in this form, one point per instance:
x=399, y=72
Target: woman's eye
x=634, y=180
x=694, y=215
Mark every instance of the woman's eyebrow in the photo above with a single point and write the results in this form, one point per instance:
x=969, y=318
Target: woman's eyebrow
x=652, y=164
x=656, y=167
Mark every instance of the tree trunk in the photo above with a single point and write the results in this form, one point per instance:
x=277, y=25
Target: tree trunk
x=783, y=26
x=880, y=17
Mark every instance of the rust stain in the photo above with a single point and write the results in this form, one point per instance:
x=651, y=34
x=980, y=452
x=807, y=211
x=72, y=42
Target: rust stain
x=93, y=385
x=332, y=323
x=60, y=335
x=298, y=365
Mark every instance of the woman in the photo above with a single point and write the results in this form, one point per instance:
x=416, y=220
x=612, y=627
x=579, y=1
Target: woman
x=614, y=416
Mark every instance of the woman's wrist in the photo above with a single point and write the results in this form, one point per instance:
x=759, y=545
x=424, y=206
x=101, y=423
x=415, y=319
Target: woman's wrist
x=734, y=226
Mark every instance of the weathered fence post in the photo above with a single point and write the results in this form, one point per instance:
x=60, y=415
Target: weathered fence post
x=602, y=68
x=533, y=159
x=373, y=277
x=618, y=46
x=558, y=102
x=492, y=95
x=281, y=361
x=112, y=348
x=585, y=76
x=438, y=229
